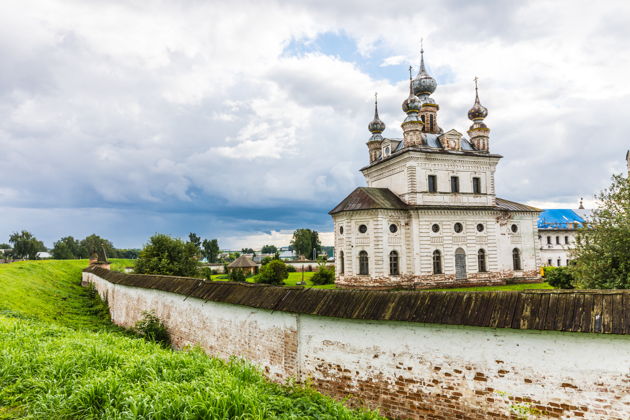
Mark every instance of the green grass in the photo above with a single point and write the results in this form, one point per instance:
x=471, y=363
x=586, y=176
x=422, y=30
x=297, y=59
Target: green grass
x=61, y=359
x=293, y=279
x=525, y=286
x=50, y=291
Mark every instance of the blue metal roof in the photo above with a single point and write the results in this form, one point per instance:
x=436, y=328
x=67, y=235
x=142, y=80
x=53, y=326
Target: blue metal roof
x=559, y=219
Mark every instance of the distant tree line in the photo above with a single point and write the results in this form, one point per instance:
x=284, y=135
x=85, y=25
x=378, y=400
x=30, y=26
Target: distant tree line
x=24, y=245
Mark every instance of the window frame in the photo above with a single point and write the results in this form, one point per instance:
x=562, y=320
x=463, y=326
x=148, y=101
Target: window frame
x=437, y=262
x=364, y=263
x=481, y=261
x=517, y=264
x=432, y=183
x=342, y=262
x=476, y=185
x=394, y=263
x=454, y=184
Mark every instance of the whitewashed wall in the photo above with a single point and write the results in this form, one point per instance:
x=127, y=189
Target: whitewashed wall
x=408, y=370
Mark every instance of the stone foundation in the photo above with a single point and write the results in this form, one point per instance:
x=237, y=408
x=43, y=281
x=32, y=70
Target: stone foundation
x=437, y=281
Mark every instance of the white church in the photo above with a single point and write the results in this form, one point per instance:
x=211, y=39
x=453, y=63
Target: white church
x=429, y=216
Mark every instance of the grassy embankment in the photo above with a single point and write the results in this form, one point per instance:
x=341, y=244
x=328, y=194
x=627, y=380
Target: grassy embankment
x=61, y=358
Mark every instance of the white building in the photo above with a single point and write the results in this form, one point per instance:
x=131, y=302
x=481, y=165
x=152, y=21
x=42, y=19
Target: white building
x=429, y=215
x=557, y=230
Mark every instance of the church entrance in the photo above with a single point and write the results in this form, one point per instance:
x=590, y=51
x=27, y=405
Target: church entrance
x=460, y=264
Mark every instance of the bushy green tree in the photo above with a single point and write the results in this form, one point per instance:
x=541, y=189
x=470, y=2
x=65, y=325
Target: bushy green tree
x=94, y=244
x=25, y=245
x=248, y=251
x=269, y=249
x=559, y=277
x=601, y=259
x=67, y=248
x=324, y=274
x=211, y=250
x=274, y=272
x=236, y=274
x=168, y=256
x=305, y=241
x=194, y=239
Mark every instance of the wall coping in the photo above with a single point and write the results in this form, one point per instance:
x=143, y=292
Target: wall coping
x=586, y=311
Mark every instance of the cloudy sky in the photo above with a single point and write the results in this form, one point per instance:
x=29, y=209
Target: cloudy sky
x=245, y=120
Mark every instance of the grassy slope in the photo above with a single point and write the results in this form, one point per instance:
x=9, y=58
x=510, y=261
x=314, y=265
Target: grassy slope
x=524, y=286
x=60, y=358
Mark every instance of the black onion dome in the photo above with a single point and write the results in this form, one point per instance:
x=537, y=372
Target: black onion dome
x=376, y=125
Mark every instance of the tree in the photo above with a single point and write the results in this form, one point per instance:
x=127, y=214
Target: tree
x=559, y=277
x=269, y=249
x=305, y=241
x=93, y=244
x=247, y=251
x=66, y=248
x=168, y=256
x=236, y=274
x=211, y=250
x=25, y=245
x=275, y=272
x=601, y=259
x=195, y=240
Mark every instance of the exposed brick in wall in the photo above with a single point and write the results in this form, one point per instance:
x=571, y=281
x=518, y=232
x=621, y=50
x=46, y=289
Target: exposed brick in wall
x=410, y=281
x=407, y=370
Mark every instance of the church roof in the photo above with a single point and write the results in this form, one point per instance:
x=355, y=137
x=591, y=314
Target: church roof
x=242, y=262
x=561, y=219
x=368, y=198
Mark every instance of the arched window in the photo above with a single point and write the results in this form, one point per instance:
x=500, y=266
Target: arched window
x=431, y=122
x=393, y=263
x=516, y=259
x=437, y=262
x=481, y=260
x=342, y=263
x=364, y=268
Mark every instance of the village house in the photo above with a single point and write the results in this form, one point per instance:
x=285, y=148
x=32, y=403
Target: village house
x=429, y=215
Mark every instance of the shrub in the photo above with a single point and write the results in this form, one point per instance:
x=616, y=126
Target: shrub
x=275, y=272
x=236, y=274
x=291, y=269
x=323, y=275
x=559, y=277
x=206, y=273
x=151, y=328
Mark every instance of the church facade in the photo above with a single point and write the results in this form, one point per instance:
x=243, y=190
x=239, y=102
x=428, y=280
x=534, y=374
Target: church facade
x=429, y=216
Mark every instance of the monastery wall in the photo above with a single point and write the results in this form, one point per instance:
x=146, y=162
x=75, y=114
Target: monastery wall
x=409, y=363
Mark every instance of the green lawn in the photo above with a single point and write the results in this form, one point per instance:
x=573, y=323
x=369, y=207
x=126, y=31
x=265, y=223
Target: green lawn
x=60, y=358
x=525, y=286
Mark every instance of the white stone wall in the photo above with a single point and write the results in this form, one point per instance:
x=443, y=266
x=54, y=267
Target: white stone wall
x=415, y=240
x=407, y=176
x=408, y=370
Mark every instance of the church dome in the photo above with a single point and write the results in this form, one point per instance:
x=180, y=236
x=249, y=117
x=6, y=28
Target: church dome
x=423, y=83
x=411, y=104
x=478, y=112
x=376, y=126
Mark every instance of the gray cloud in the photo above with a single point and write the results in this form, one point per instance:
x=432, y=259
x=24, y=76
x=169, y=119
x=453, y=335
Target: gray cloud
x=177, y=108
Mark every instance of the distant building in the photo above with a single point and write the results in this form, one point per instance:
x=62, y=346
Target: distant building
x=43, y=255
x=429, y=215
x=557, y=230
x=244, y=263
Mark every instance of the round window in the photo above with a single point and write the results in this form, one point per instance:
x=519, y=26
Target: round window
x=514, y=228
x=480, y=227
x=435, y=228
x=393, y=228
x=341, y=230
x=458, y=227
x=362, y=228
